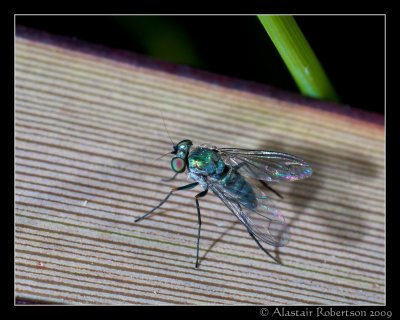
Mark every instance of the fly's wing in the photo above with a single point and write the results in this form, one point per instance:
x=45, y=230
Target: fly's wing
x=264, y=221
x=265, y=165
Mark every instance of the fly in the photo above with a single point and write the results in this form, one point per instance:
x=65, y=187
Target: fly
x=226, y=171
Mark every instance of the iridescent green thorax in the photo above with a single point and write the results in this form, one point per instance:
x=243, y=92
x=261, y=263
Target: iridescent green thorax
x=206, y=162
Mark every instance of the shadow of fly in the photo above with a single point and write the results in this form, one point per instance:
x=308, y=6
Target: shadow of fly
x=226, y=171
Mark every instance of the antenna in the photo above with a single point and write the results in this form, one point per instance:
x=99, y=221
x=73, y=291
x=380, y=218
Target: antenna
x=162, y=156
x=166, y=128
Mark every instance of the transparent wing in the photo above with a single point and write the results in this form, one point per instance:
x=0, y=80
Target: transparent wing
x=264, y=221
x=265, y=165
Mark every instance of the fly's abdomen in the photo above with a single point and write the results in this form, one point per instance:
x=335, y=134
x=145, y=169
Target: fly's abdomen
x=237, y=185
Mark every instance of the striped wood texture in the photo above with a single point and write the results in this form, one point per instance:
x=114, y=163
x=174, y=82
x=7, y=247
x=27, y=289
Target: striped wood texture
x=88, y=130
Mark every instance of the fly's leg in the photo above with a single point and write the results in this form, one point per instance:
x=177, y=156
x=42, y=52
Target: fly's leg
x=262, y=248
x=199, y=195
x=259, y=244
x=238, y=166
x=170, y=179
x=268, y=187
x=262, y=181
x=185, y=187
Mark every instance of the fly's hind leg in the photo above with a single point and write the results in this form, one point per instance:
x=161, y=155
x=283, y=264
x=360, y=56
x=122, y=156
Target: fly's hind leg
x=270, y=188
x=262, y=181
x=262, y=248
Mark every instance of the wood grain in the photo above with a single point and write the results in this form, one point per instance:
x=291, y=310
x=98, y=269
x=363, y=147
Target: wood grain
x=88, y=130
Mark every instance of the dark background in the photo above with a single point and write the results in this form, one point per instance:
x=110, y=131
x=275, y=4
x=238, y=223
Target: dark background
x=350, y=48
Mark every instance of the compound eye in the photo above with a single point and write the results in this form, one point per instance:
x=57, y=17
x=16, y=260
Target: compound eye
x=177, y=164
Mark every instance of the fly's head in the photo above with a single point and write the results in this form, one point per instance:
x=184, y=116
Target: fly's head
x=181, y=151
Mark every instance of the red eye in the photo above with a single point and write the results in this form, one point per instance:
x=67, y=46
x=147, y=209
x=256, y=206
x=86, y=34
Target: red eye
x=177, y=164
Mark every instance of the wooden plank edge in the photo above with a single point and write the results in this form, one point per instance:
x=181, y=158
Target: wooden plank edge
x=132, y=58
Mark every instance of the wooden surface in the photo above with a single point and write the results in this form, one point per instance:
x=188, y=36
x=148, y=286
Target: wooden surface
x=88, y=130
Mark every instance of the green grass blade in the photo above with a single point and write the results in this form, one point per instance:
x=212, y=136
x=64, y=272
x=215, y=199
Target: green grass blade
x=298, y=56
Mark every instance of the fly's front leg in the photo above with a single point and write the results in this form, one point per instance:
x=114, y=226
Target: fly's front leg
x=199, y=195
x=170, y=179
x=185, y=187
